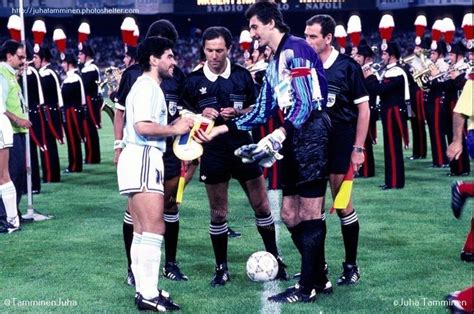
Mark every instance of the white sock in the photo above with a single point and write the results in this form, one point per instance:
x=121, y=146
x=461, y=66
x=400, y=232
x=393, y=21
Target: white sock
x=134, y=249
x=8, y=193
x=149, y=257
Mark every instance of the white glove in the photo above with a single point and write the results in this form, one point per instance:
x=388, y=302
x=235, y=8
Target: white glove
x=245, y=153
x=265, y=152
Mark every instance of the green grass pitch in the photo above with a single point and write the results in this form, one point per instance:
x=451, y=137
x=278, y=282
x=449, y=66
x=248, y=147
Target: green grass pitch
x=75, y=263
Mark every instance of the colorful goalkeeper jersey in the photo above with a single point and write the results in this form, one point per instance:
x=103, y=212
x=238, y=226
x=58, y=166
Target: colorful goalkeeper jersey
x=294, y=81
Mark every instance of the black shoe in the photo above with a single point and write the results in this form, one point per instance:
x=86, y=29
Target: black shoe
x=282, y=274
x=221, y=276
x=457, y=199
x=350, y=275
x=138, y=297
x=130, y=278
x=161, y=303
x=385, y=187
x=233, y=234
x=413, y=157
x=467, y=257
x=454, y=305
x=171, y=271
x=324, y=289
x=294, y=294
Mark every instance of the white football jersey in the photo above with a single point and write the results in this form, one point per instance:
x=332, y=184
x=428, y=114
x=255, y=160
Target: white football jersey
x=145, y=102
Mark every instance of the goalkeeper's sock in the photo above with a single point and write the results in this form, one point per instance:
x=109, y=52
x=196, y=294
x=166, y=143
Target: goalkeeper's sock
x=171, y=236
x=469, y=245
x=320, y=276
x=311, y=241
x=135, y=259
x=350, y=235
x=296, y=232
x=127, y=231
x=219, y=237
x=266, y=228
x=149, y=263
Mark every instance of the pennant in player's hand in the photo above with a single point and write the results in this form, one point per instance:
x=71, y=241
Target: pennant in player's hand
x=184, y=146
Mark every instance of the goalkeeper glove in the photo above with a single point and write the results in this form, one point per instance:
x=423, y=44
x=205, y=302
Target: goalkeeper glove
x=265, y=152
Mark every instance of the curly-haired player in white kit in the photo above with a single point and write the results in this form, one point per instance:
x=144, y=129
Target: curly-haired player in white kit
x=140, y=168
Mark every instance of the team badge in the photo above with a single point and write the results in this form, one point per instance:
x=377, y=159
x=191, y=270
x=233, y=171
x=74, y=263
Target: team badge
x=203, y=178
x=172, y=108
x=203, y=90
x=331, y=100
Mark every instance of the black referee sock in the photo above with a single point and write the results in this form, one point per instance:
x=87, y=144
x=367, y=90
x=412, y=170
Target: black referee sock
x=127, y=230
x=296, y=236
x=218, y=232
x=350, y=235
x=325, y=229
x=266, y=228
x=171, y=236
x=312, y=238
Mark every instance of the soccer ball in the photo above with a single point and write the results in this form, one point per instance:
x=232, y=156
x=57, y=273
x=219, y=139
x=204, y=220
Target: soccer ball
x=262, y=266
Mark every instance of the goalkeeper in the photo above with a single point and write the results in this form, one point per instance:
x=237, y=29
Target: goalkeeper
x=295, y=82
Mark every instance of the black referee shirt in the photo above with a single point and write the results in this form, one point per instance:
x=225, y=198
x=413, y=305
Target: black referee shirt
x=233, y=88
x=346, y=87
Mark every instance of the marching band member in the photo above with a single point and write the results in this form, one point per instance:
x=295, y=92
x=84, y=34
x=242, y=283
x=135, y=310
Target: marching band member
x=74, y=97
x=365, y=58
x=53, y=102
x=90, y=75
x=394, y=92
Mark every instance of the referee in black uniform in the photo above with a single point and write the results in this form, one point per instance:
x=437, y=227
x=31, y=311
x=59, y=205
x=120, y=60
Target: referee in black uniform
x=348, y=108
x=222, y=90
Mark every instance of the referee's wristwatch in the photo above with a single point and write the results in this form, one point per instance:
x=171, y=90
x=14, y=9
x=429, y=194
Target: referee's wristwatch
x=358, y=149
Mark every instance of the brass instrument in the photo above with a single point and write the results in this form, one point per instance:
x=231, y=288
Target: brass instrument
x=112, y=78
x=420, y=68
x=462, y=68
x=376, y=67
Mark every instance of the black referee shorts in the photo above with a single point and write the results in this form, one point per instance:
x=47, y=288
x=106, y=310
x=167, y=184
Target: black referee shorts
x=172, y=163
x=341, y=142
x=219, y=166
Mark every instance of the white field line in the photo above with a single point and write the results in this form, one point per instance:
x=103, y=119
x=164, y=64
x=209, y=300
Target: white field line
x=272, y=287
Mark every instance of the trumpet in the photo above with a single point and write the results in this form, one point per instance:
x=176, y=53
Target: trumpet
x=462, y=68
x=112, y=78
x=376, y=67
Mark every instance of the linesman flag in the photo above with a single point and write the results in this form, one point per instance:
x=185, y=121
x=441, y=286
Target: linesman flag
x=345, y=191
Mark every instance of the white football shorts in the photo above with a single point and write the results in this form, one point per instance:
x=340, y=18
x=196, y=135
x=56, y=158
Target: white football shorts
x=6, y=132
x=140, y=169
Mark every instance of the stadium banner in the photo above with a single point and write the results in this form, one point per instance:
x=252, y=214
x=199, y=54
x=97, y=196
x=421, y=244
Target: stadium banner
x=239, y=6
x=403, y=4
